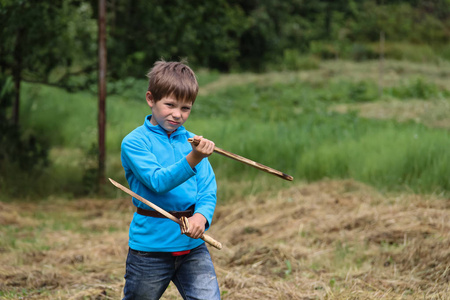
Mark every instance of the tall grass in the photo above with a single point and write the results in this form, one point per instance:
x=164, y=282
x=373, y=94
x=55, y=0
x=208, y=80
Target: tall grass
x=387, y=156
x=286, y=126
x=311, y=147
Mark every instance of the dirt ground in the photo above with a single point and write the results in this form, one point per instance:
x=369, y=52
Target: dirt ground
x=326, y=240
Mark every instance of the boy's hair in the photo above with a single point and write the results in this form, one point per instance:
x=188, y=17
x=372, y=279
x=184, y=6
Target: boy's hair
x=172, y=79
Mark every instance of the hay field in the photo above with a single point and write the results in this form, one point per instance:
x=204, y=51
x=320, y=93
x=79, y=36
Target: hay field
x=326, y=240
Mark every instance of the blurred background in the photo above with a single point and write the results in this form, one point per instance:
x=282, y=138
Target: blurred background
x=317, y=89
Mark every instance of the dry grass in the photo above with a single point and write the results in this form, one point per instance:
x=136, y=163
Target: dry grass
x=338, y=240
x=328, y=240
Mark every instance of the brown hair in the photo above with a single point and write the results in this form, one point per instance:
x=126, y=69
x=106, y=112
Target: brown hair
x=172, y=79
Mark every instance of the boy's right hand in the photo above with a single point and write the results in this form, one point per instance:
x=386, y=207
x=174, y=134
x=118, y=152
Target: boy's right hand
x=201, y=148
x=194, y=227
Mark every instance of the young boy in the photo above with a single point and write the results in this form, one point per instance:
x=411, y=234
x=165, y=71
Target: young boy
x=163, y=167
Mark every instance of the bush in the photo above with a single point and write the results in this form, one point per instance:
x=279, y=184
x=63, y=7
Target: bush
x=417, y=89
x=361, y=52
x=293, y=60
x=324, y=50
x=22, y=153
x=410, y=52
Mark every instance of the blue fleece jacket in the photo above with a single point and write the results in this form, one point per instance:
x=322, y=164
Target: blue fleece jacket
x=156, y=168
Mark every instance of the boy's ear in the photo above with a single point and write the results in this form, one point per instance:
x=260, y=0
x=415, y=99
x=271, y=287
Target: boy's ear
x=149, y=98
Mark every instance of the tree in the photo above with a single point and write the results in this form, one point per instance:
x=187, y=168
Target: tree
x=44, y=41
x=140, y=32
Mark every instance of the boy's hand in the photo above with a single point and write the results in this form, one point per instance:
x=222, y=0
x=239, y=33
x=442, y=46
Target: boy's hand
x=196, y=226
x=203, y=149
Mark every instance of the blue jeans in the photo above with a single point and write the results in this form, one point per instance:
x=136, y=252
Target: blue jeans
x=148, y=275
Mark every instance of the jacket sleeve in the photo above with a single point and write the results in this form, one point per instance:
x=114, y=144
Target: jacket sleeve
x=143, y=163
x=207, y=191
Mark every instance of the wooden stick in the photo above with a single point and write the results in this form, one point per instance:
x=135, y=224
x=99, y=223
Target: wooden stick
x=204, y=237
x=247, y=161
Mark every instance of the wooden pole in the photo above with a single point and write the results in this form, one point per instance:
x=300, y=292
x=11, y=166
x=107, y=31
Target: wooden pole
x=101, y=91
x=248, y=162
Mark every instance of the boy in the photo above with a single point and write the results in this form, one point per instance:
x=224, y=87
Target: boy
x=163, y=167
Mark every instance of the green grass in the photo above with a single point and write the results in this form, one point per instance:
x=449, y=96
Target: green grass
x=387, y=155
x=315, y=146
x=285, y=125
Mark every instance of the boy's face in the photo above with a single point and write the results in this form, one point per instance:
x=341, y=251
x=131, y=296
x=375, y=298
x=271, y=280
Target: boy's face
x=168, y=112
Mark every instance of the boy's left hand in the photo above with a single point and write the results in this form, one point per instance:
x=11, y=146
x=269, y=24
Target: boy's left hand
x=196, y=226
x=201, y=148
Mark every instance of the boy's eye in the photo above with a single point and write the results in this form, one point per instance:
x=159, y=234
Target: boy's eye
x=186, y=108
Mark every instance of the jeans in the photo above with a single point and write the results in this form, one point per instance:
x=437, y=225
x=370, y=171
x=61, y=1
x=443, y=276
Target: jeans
x=148, y=275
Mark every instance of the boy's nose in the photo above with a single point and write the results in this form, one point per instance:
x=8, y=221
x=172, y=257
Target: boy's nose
x=176, y=113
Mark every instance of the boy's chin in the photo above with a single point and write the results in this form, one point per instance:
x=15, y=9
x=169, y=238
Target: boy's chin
x=170, y=129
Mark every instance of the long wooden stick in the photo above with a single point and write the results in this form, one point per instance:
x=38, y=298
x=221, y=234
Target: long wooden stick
x=247, y=161
x=204, y=237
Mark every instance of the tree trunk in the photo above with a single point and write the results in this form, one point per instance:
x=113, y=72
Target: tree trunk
x=17, y=76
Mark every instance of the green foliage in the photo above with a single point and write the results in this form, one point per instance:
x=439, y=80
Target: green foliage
x=56, y=42
x=23, y=153
x=19, y=148
x=45, y=41
x=401, y=21
x=417, y=89
x=207, y=33
x=261, y=35
x=362, y=51
x=89, y=180
x=294, y=61
x=409, y=52
x=343, y=91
